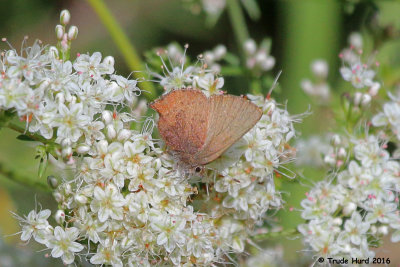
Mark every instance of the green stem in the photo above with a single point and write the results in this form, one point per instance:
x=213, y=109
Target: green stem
x=35, y=137
x=256, y=86
x=239, y=25
x=121, y=40
x=283, y=233
x=22, y=180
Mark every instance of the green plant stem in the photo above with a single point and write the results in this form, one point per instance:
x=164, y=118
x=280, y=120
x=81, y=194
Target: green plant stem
x=11, y=175
x=35, y=137
x=283, y=233
x=127, y=49
x=238, y=24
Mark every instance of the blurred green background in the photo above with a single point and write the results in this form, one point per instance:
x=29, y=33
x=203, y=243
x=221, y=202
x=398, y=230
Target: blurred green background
x=301, y=31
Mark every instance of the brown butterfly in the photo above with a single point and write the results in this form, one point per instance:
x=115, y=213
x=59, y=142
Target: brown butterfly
x=198, y=129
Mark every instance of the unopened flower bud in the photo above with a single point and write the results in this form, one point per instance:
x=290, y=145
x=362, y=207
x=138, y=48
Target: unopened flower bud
x=66, y=152
x=356, y=40
x=349, y=208
x=124, y=134
x=347, y=248
x=373, y=229
x=72, y=33
x=329, y=160
x=66, y=142
x=157, y=164
x=219, y=51
x=52, y=181
x=60, y=97
x=44, y=84
x=320, y=68
x=366, y=99
x=336, y=140
x=109, y=61
x=209, y=57
x=59, y=216
x=80, y=199
x=53, y=51
x=67, y=189
x=383, y=230
x=65, y=17
x=58, y=197
x=59, y=32
x=357, y=98
x=341, y=154
x=337, y=221
x=111, y=133
x=373, y=91
x=250, y=47
x=107, y=116
x=82, y=149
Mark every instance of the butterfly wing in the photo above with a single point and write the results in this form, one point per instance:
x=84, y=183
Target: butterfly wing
x=183, y=121
x=230, y=117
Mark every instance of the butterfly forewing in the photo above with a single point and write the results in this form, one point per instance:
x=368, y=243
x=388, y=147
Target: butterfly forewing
x=183, y=121
x=230, y=117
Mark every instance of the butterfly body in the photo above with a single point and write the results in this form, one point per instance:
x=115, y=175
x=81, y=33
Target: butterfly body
x=197, y=128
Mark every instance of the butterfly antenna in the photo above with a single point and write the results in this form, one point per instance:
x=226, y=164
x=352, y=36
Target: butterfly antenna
x=274, y=84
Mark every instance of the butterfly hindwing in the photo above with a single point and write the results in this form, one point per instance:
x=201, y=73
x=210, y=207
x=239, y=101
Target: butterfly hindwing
x=230, y=117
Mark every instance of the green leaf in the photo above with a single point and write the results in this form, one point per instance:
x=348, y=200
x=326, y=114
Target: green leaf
x=24, y=137
x=252, y=9
x=43, y=166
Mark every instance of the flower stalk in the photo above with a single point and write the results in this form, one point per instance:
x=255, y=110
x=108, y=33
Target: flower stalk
x=125, y=46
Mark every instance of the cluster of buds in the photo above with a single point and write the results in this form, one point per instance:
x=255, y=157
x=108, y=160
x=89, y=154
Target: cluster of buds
x=65, y=37
x=360, y=74
x=258, y=59
x=212, y=57
x=320, y=88
x=337, y=153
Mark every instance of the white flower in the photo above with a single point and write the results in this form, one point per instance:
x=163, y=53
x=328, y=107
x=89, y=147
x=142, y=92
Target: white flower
x=107, y=253
x=209, y=83
x=71, y=121
x=356, y=229
x=63, y=244
x=170, y=229
x=258, y=60
x=358, y=74
x=92, y=66
x=108, y=203
x=127, y=88
x=36, y=225
x=379, y=211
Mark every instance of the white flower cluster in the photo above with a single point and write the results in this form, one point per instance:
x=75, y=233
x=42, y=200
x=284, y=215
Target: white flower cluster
x=200, y=77
x=390, y=116
x=347, y=216
x=320, y=89
x=272, y=257
x=309, y=151
x=62, y=98
x=258, y=58
x=359, y=74
x=127, y=204
x=212, y=57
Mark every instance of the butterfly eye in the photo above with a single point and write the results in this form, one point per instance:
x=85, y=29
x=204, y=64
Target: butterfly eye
x=197, y=169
